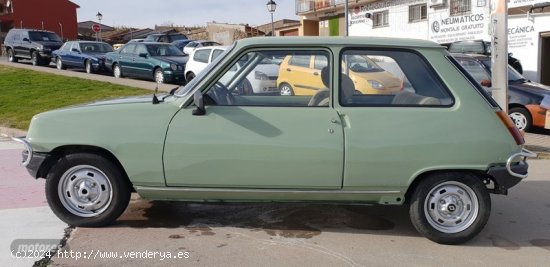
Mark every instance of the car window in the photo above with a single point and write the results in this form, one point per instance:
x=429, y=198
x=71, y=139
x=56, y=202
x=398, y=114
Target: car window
x=202, y=55
x=320, y=62
x=44, y=36
x=474, y=68
x=389, y=78
x=163, y=50
x=216, y=53
x=467, y=48
x=95, y=48
x=300, y=61
x=164, y=39
x=128, y=49
x=75, y=46
x=66, y=46
x=513, y=75
x=177, y=37
x=141, y=49
x=258, y=78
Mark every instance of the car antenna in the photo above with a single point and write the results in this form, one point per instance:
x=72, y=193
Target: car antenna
x=155, y=99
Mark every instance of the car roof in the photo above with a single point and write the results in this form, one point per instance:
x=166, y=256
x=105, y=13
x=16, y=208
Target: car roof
x=351, y=41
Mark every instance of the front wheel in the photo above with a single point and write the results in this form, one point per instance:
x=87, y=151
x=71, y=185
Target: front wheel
x=34, y=59
x=11, y=56
x=286, y=89
x=117, y=72
x=59, y=64
x=521, y=118
x=87, y=190
x=159, y=75
x=89, y=67
x=450, y=208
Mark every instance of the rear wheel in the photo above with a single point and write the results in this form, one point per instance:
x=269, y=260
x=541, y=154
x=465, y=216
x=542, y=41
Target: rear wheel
x=190, y=76
x=87, y=190
x=11, y=56
x=521, y=118
x=286, y=89
x=450, y=208
x=59, y=64
x=89, y=66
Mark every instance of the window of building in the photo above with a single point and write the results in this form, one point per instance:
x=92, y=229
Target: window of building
x=380, y=19
x=418, y=13
x=459, y=7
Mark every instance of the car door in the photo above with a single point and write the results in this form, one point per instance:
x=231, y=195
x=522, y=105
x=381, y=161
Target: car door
x=141, y=63
x=63, y=53
x=125, y=58
x=255, y=141
x=73, y=56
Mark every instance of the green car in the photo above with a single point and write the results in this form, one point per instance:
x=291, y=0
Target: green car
x=439, y=145
x=160, y=62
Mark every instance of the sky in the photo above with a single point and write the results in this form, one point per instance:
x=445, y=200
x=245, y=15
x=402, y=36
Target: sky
x=147, y=13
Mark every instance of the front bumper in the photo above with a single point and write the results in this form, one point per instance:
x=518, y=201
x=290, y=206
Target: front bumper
x=174, y=77
x=512, y=173
x=30, y=159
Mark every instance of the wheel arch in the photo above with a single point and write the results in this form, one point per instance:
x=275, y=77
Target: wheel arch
x=61, y=151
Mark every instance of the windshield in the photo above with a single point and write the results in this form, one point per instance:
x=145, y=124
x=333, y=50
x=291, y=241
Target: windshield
x=160, y=50
x=185, y=90
x=474, y=68
x=95, y=48
x=513, y=75
x=44, y=36
x=359, y=63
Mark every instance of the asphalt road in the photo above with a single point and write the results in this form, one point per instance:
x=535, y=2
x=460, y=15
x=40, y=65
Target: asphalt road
x=81, y=73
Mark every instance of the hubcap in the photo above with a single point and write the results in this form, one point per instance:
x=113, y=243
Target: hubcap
x=159, y=77
x=286, y=90
x=88, y=67
x=117, y=71
x=59, y=63
x=451, y=207
x=85, y=191
x=519, y=120
x=10, y=56
x=34, y=59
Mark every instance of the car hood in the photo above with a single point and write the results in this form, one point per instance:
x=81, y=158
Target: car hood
x=531, y=87
x=50, y=45
x=174, y=59
x=118, y=101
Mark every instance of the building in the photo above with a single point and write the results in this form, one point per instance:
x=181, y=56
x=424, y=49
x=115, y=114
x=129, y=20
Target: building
x=283, y=27
x=85, y=29
x=441, y=21
x=54, y=15
x=227, y=33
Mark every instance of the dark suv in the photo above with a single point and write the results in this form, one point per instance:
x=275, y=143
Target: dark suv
x=36, y=45
x=165, y=37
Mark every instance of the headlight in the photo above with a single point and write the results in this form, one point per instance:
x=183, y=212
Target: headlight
x=260, y=75
x=174, y=66
x=375, y=84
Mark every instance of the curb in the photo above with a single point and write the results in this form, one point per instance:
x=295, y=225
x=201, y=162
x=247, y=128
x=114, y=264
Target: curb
x=9, y=132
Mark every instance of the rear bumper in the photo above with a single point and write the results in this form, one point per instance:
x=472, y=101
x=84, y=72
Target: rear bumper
x=512, y=173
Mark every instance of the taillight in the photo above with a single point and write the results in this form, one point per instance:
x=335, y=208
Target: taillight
x=511, y=127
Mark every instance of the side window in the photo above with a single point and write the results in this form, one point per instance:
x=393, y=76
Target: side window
x=389, y=78
x=75, y=46
x=141, y=49
x=202, y=55
x=164, y=39
x=320, y=62
x=66, y=46
x=216, y=53
x=266, y=78
x=128, y=49
x=300, y=61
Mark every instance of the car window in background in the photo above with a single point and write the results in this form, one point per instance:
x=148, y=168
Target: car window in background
x=216, y=53
x=141, y=49
x=202, y=55
x=474, y=68
x=513, y=75
x=44, y=36
x=66, y=46
x=363, y=64
x=95, y=48
x=177, y=37
x=320, y=62
x=210, y=44
x=156, y=50
x=467, y=48
x=300, y=61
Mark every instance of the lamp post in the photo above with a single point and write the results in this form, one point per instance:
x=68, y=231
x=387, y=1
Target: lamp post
x=99, y=17
x=271, y=6
x=61, y=26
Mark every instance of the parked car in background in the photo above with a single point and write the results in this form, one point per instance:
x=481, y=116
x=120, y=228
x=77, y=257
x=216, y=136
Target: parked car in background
x=180, y=44
x=526, y=99
x=82, y=54
x=117, y=46
x=163, y=63
x=482, y=48
x=260, y=81
x=165, y=37
x=35, y=45
x=301, y=75
x=191, y=46
x=206, y=142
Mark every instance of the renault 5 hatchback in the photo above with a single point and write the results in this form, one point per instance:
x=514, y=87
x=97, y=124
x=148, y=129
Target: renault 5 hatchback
x=441, y=147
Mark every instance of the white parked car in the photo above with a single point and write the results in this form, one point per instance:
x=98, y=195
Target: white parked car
x=191, y=46
x=262, y=80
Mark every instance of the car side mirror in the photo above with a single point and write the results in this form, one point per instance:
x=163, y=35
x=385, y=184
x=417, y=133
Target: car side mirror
x=486, y=83
x=199, y=103
x=26, y=40
x=75, y=50
x=143, y=55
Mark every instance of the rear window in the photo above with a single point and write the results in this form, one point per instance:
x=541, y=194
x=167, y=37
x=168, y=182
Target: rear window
x=202, y=55
x=475, y=84
x=467, y=48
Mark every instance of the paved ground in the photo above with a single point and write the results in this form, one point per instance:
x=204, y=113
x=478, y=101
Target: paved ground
x=107, y=77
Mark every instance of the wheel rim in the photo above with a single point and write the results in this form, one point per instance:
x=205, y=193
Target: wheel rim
x=117, y=71
x=59, y=64
x=85, y=191
x=519, y=120
x=34, y=59
x=10, y=56
x=451, y=207
x=286, y=90
x=159, y=76
x=88, y=67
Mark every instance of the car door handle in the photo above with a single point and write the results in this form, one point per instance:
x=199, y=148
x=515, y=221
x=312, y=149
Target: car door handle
x=288, y=69
x=316, y=73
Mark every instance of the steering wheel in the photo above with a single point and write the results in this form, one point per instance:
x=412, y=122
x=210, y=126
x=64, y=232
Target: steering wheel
x=221, y=95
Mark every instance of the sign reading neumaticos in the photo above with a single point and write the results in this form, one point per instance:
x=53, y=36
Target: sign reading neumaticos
x=446, y=29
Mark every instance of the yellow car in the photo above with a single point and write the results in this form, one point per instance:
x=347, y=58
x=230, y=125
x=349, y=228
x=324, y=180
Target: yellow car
x=301, y=75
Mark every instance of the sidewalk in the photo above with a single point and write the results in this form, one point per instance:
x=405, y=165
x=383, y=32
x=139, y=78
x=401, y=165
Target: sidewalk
x=96, y=77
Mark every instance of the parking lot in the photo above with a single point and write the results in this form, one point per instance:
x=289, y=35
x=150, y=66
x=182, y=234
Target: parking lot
x=518, y=232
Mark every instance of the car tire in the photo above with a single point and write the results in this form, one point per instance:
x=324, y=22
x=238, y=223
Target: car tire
x=450, y=208
x=286, y=89
x=87, y=190
x=89, y=67
x=158, y=76
x=35, y=60
x=117, y=71
x=11, y=56
x=521, y=118
x=59, y=64
x=190, y=76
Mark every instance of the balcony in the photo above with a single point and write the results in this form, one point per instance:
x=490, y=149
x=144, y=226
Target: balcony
x=305, y=6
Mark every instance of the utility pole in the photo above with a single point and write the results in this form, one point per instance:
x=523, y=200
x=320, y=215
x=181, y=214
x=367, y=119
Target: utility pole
x=499, y=52
x=346, y=10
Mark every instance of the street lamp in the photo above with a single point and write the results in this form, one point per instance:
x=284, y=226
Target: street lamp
x=99, y=17
x=271, y=6
x=61, y=26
